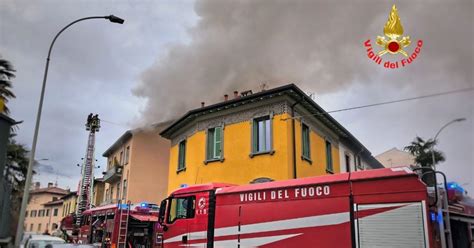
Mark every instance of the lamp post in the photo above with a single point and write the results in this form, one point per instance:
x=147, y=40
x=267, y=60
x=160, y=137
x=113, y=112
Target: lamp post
x=26, y=190
x=436, y=136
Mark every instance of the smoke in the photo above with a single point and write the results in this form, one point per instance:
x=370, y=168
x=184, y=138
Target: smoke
x=237, y=45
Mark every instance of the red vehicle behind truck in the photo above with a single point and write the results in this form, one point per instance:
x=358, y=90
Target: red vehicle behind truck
x=375, y=208
x=120, y=226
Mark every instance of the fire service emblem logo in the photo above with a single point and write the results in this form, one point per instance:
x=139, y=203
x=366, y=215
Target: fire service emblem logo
x=393, y=42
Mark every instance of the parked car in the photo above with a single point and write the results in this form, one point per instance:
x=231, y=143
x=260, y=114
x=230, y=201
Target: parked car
x=41, y=241
x=73, y=246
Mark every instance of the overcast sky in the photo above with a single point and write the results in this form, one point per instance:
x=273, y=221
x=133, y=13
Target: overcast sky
x=171, y=55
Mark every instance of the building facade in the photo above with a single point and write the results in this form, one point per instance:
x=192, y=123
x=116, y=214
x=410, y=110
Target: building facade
x=69, y=202
x=137, y=167
x=44, y=208
x=275, y=134
x=395, y=157
x=98, y=191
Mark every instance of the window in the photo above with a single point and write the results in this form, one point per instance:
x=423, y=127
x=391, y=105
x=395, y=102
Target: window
x=26, y=213
x=182, y=156
x=55, y=212
x=121, y=158
x=47, y=212
x=118, y=191
x=106, y=194
x=305, y=142
x=47, y=226
x=328, y=157
x=214, y=143
x=124, y=191
x=111, y=193
x=359, y=164
x=39, y=227
x=181, y=208
x=261, y=135
x=31, y=227
x=348, y=162
x=110, y=164
x=33, y=213
x=127, y=154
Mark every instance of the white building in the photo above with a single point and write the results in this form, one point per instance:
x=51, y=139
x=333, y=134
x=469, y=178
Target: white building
x=395, y=158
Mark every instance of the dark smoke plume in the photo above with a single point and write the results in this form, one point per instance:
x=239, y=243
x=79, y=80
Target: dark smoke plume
x=237, y=45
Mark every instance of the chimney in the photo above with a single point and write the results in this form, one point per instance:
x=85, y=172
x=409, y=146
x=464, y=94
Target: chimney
x=236, y=94
x=50, y=184
x=37, y=185
x=226, y=97
x=202, y=104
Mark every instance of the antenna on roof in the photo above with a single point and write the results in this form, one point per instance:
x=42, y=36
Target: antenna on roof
x=312, y=95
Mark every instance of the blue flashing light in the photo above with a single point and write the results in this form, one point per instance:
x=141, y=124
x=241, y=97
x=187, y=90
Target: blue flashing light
x=183, y=185
x=433, y=217
x=455, y=186
x=440, y=218
x=144, y=205
x=122, y=206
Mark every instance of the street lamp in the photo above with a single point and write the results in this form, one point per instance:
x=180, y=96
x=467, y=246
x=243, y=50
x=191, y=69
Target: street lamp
x=19, y=230
x=436, y=136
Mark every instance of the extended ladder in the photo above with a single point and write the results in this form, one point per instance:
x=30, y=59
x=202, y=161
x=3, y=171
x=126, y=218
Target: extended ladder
x=124, y=215
x=86, y=188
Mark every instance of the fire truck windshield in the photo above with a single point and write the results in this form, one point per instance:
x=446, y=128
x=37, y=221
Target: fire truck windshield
x=181, y=208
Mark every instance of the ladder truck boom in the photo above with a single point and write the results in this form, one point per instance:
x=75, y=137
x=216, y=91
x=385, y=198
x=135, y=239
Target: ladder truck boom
x=86, y=187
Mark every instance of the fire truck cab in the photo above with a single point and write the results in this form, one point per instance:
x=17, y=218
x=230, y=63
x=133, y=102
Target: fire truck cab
x=375, y=208
x=120, y=225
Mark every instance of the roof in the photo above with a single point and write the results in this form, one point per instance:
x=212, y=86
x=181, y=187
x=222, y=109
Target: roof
x=56, y=202
x=129, y=134
x=394, y=150
x=50, y=190
x=72, y=193
x=99, y=179
x=290, y=90
x=118, y=143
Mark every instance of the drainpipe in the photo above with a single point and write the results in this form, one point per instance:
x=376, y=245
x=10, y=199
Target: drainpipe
x=295, y=174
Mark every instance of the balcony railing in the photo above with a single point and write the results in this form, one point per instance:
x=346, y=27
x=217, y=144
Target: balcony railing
x=113, y=174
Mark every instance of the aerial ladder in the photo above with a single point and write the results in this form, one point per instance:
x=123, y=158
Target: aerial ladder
x=86, y=185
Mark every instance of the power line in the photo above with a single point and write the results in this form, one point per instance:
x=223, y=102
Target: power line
x=389, y=102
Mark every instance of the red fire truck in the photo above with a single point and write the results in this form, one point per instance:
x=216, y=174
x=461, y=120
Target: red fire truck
x=375, y=208
x=120, y=225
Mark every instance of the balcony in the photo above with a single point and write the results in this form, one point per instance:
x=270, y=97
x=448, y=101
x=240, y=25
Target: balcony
x=113, y=174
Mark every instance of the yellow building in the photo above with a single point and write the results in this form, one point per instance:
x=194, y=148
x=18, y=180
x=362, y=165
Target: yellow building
x=98, y=191
x=254, y=138
x=44, y=208
x=69, y=202
x=137, y=167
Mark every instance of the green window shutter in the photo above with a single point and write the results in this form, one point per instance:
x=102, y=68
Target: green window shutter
x=255, y=136
x=328, y=156
x=217, y=142
x=305, y=141
x=210, y=143
x=182, y=155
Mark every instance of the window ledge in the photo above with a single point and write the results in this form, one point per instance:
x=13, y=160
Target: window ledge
x=329, y=171
x=306, y=159
x=213, y=160
x=253, y=154
x=181, y=170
